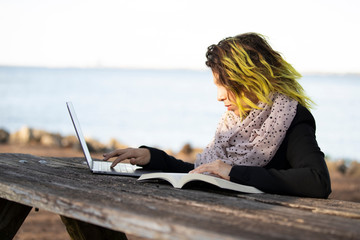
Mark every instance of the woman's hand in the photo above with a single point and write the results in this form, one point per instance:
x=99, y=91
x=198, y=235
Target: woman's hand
x=217, y=167
x=137, y=156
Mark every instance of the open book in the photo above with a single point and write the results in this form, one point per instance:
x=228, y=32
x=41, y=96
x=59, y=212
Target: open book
x=178, y=180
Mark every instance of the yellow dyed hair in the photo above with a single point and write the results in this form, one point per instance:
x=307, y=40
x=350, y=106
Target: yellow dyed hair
x=250, y=69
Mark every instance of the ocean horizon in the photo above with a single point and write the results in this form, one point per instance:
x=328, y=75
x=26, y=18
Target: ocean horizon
x=165, y=108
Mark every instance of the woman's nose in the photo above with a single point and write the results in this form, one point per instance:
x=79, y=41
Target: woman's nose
x=221, y=95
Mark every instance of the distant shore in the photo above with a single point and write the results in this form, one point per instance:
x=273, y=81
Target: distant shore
x=37, y=140
x=345, y=176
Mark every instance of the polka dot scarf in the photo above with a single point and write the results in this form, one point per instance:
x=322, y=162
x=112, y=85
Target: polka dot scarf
x=253, y=141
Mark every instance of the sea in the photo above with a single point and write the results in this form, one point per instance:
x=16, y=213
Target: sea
x=161, y=108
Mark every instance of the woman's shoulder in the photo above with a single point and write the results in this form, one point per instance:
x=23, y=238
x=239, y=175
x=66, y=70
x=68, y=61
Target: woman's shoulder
x=303, y=115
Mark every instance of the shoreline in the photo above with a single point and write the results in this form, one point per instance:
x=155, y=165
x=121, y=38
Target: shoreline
x=36, y=139
x=28, y=136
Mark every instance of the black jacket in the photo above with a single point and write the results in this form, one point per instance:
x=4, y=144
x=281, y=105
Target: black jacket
x=298, y=167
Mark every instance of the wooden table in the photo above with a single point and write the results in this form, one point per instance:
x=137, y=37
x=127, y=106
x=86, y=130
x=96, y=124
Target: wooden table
x=156, y=210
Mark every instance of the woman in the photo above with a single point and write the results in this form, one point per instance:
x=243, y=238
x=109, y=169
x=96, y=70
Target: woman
x=266, y=138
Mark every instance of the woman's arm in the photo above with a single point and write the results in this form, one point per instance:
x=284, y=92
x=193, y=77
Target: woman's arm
x=149, y=158
x=162, y=161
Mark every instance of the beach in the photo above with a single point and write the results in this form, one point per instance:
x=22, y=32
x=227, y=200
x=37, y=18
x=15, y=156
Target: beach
x=43, y=225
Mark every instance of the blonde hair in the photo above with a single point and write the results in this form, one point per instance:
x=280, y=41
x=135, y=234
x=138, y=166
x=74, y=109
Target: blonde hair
x=248, y=66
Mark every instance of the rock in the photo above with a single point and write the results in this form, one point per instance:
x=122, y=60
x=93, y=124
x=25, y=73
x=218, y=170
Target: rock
x=23, y=136
x=186, y=149
x=38, y=134
x=4, y=136
x=28, y=135
x=96, y=146
x=71, y=142
x=50, y=140
x=354, y=169
x=188, y=153
x=341, y=166
x=114, y=144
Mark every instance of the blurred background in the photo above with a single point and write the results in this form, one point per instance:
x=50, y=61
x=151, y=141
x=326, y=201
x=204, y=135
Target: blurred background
x=135, y=73
x=135, y=70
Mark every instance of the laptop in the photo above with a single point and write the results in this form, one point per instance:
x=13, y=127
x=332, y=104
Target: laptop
x=102, y=167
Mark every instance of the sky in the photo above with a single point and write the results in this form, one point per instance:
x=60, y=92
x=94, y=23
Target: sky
x=313, y=35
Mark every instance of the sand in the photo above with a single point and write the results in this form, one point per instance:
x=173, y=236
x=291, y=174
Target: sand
x=43, y=225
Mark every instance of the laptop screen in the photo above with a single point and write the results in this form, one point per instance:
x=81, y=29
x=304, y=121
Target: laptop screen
x=79, y=134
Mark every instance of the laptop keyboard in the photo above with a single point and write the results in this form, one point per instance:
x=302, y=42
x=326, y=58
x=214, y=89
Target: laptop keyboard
x=105, y=167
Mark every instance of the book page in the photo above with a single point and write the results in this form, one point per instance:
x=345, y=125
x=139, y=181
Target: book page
x=173, y=178
x=179, y=179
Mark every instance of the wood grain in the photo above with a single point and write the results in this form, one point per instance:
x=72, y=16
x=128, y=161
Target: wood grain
x=156, y=210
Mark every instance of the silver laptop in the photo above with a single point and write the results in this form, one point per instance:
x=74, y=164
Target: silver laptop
x=102, y=167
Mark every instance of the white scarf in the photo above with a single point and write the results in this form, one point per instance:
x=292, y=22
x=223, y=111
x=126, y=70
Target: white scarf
x=253, y=141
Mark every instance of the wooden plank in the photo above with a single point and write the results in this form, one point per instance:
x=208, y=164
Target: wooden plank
x=327, y=206
x=65, y=186
x=12, y=216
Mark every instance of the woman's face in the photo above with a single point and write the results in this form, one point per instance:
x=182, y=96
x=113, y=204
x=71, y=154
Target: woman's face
x=223, y=95
x=226, y=96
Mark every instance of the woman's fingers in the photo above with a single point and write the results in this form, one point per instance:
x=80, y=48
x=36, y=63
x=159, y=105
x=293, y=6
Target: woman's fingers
x=112, y=154
x=208, y=167
x=139, y=156
x=123, y=155
x=202, y=168
x=217, y=167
